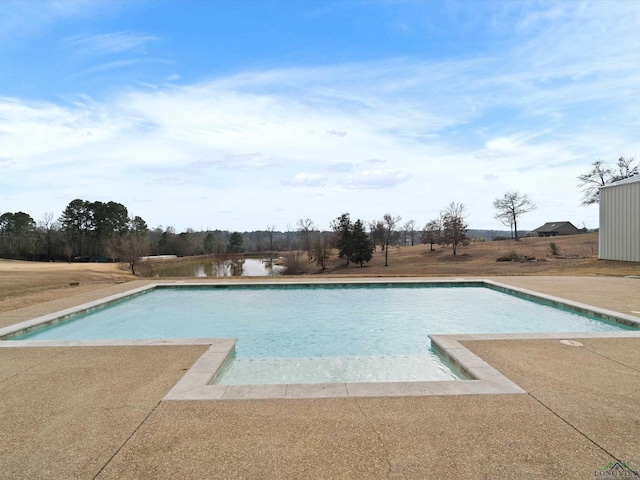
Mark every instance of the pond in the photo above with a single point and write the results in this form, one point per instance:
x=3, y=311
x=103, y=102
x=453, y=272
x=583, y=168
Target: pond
x=220, y=267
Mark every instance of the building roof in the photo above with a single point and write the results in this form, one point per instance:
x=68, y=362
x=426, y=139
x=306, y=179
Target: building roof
x=635, y=178
x=553, y=226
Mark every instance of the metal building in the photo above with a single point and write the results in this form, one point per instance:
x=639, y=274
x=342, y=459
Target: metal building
x=619, y=237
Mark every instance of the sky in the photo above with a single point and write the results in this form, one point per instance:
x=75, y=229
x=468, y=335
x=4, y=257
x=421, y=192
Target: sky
x=241, y=115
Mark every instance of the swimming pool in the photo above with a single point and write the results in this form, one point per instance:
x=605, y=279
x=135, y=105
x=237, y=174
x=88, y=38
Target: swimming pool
x=325, y=333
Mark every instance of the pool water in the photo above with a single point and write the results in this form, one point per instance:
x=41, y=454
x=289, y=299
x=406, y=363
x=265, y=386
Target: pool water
x=323, y=334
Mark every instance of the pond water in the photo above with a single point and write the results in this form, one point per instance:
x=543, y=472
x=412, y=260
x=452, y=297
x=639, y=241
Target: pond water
x=220, y=267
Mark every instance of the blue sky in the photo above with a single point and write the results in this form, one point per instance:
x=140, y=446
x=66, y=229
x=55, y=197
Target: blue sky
x=238, y=115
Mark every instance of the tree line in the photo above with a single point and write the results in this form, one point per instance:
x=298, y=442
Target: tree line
x=99, y=231
x=95, y=231
x=102, y=231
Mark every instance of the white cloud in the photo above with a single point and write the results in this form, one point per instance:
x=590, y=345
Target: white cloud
x=305, y=179
x=248, y=161
x=337, y=133
x=367, y=179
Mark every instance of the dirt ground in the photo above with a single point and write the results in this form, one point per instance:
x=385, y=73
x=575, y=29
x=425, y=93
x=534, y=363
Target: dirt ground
x=28, y=283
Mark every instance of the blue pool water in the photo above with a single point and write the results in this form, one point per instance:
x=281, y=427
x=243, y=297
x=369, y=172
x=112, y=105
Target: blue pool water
x=323, y=333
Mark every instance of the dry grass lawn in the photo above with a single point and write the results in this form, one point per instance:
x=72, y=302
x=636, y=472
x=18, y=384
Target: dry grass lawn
x=576, y=255
x=28, y=283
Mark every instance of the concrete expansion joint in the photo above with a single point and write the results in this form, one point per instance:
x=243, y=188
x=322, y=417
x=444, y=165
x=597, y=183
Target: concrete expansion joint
x=384, y=447
x=32, y=366
x=576, y=429
x=612, y=360
x=135, y=430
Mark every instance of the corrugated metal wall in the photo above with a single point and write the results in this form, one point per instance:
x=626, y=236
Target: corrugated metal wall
x=619, y=237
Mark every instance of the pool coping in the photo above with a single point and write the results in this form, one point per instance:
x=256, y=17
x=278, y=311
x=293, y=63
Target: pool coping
x=196, y=383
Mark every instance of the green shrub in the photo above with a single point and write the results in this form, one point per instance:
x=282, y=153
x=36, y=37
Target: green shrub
x=554, y=249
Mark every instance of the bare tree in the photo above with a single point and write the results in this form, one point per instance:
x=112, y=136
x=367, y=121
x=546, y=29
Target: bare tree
x=602, y=174
x=48, y=226
x=305, y=227
x=432, y=232
x=510, y=207
x=376, y=232
x=390, y=234
x=507, y=222
x=409, y=231
x=270, y=230
x=128, y=248
x=322, y=249
x=454, y=228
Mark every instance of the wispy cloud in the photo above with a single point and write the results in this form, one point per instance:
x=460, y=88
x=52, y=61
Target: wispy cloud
x=247, y=161
x=337, y=133
x=374, y=179
x=109, y=43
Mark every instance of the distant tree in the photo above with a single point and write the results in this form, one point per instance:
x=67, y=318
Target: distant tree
x=377, y=233
x=342, y=227
x=209, y=243
x=305, y=228
x=235, y=243
x=128, y=248
x=67, y=250
x=138, y=225
x=602, y=174
x=109, y=219
x=77, y=224
x=361, y=245
x=431, y=233
x=454, y=228
x=167, y=244
x=48, y=226
x=215, y=242
x=89, y=225
x=289, y=241
x=17, y=235
x=409, y=231
x=270, y=230
x=321, y=250
x=510, y=207
x=189, y=243
x=391, y=235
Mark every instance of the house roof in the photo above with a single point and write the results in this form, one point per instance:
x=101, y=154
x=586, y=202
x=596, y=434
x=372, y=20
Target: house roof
x=553, y=226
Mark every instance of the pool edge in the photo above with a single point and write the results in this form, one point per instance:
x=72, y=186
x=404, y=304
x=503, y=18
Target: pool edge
x=196, y=382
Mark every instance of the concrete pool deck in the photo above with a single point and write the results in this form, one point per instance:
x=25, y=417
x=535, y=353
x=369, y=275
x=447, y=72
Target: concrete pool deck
x=87, y=412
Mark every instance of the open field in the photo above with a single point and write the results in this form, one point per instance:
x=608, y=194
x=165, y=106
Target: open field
x=577, y=255
x=27, y=283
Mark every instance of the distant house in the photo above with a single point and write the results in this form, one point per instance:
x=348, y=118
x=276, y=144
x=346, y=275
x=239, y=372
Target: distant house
x=619, y=237
x=553, y=229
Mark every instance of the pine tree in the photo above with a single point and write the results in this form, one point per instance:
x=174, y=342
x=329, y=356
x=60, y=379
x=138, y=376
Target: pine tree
x=361, y=245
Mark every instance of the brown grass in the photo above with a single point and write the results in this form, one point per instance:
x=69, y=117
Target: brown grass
x=27, y=283
x=577, y=256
